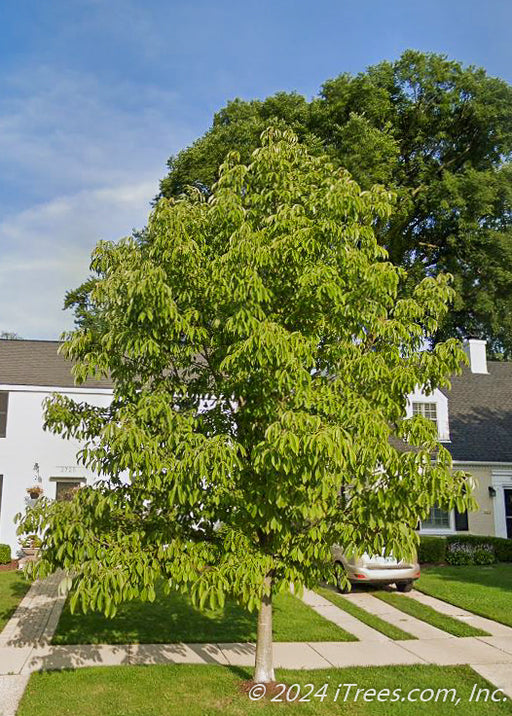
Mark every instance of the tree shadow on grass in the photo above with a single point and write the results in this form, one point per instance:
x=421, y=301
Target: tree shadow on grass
x=170, y=619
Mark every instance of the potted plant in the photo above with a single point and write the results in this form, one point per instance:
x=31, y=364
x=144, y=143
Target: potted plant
x=35, y=491
x=31, y=545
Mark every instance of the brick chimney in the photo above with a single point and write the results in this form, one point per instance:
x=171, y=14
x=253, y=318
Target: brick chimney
x=475, y=351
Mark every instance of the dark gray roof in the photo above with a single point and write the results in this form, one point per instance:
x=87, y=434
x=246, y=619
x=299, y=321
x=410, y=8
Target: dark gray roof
x=480, y=414
x=38, y=363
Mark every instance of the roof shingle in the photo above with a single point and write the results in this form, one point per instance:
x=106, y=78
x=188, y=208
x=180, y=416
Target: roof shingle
x=480, y=414
x=38, y=363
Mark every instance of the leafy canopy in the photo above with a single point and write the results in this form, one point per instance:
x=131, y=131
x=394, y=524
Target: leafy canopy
x=261, y=360
x=438, y=134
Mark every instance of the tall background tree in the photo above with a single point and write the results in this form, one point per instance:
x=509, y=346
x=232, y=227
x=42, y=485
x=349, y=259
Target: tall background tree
x=435, y=132
x=261, y=360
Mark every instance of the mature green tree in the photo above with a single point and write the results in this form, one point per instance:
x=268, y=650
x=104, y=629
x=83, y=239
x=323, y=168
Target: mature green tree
x=436, y=133
x=261, y=362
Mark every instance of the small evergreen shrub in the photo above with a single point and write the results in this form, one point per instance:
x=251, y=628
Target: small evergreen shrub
x=503, y=548
x=5, y=554
x=432, y=550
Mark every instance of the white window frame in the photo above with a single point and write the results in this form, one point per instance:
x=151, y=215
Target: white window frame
x=440, y=530
x=424, y=404
x=442, y=409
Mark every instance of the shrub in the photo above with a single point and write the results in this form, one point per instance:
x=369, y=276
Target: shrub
x=464, y=549
x=466, y=553
x=502, y=547
x=432, y=550
x=5, y=554
x=484, y=554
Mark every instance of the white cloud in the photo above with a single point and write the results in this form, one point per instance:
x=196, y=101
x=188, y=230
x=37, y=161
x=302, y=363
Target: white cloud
x=49, y=252
x=80, y=160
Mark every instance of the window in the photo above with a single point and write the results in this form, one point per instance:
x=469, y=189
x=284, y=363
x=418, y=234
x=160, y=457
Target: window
x=428, y=410
x=64, y=489
x=4, y=400
x=64, y=486
x=438, y=519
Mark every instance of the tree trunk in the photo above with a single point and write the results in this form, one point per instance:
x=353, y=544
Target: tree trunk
x=264, y=667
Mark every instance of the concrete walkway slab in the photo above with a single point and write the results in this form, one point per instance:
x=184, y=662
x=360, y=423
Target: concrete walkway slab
x=413, y=626
x=238, y=654
x=341, y=654
x=498, y=674
x=11, y=691
x=177, y=654
x=48, y=658
x=499, y=642
x=345, y=621
x=12, y=659
x=464, y=650
x=488, y=625
x=36, y=616
x=299, y=655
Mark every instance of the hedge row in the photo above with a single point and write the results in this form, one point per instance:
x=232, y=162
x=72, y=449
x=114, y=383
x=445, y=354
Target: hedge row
x=464, y=549
x=5, y=554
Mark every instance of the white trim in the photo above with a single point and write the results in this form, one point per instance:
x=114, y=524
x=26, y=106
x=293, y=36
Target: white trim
x=5, y=387
x=66, y=478
x=501, y=480
x=489, y=463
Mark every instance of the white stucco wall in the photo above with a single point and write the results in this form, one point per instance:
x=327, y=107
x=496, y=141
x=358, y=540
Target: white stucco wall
x=26, y=443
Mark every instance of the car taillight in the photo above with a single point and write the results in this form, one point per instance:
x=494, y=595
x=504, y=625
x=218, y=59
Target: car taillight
x=360, y=576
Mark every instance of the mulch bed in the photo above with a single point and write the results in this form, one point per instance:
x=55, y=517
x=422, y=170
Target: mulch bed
x=11, y=566
x=274, y=688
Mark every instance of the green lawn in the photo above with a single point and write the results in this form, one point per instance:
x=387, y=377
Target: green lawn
x=371, y=620
x=429, y=615
x=171, y=619
x=13, y=587
x=485, y=590
x=197, y=690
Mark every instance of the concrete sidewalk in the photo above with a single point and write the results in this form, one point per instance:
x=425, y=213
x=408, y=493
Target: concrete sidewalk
x=25, y=645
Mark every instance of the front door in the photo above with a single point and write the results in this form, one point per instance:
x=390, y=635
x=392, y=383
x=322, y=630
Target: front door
x=508, y=512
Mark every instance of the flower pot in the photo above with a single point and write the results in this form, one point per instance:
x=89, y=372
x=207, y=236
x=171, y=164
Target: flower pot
x=30, y=551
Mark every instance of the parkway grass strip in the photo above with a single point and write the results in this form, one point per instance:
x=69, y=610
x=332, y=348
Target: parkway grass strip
x=427, y=614
x=367, y=618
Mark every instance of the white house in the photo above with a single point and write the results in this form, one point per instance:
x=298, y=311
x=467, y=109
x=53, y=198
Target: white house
x=29, y=372
x=474, y=421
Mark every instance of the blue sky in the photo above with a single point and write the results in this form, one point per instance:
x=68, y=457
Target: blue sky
x=96, y=94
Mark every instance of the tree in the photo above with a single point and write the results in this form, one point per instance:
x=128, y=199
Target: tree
x=9, y=336
x=440, y=136
x=261, y=362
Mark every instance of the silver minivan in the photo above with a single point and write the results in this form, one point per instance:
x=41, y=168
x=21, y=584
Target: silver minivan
x=374, y=570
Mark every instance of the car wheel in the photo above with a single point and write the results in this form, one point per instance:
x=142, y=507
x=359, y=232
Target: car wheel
x=404, y=586
x=342, y=584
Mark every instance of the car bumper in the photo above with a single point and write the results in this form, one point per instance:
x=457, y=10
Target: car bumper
x=361, y=575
